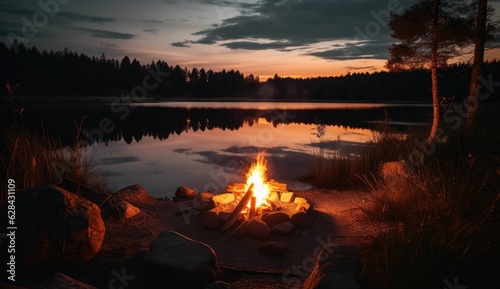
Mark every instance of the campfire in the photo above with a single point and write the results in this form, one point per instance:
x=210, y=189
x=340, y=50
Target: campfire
x=257, y=207
x=258, y=178
x=258, y=195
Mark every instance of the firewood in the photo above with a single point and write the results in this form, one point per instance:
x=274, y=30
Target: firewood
x=252, y=207
x=276, y=187
x=237, y=211
x=273, y=205
x=236, y=188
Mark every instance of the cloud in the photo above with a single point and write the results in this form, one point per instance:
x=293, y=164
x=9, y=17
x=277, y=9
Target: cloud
x=16, y=10
x=14, y=15
x=363, y=50
x=369, y=67
x=152, y=21
x=283, y=163
x=250, y=45
x=109, y=45
x=181, y=44
x=64, y=17
x=181, y=150
x=290, y=23
x=76, y=17
x=150, y=30
x=105, y=33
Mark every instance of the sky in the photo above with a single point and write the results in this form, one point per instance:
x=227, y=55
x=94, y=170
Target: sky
x=296, y=38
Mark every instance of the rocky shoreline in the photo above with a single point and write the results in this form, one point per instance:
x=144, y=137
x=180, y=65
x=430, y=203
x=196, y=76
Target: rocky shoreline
x=133, y=240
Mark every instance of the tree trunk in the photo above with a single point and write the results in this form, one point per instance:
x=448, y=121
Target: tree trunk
x=435, y=99
x=480, y=39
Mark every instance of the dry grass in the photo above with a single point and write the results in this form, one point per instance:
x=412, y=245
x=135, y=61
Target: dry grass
x=440, y=223
x=33, y=160
x=330, y=169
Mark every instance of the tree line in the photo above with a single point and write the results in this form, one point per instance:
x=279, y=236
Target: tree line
x=67, y=73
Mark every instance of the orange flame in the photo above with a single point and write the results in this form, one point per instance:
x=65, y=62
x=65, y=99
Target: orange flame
x=257, y=176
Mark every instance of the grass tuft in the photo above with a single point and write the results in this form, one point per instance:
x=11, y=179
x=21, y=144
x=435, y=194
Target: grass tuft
x=439, y=223
x=33, y=160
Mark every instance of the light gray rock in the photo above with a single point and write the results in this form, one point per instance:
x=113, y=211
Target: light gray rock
x=57, y=226
x=186, y=262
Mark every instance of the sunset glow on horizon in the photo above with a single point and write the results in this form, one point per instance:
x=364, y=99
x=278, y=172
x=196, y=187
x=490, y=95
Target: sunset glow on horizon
x=293, y=38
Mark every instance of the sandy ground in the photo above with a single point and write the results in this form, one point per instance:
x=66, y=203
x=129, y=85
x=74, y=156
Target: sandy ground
x=337, y=218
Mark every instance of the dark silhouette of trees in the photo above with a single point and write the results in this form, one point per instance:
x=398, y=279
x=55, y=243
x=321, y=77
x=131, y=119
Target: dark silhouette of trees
x=481, y=32
x=69, y=74
x=431, y=32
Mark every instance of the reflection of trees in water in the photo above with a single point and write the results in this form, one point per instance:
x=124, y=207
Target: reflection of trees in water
x=161, y=122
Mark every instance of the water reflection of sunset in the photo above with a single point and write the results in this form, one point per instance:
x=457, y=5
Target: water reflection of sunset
x=208, y=160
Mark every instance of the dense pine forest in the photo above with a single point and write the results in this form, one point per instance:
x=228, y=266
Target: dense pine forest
x=69, y=74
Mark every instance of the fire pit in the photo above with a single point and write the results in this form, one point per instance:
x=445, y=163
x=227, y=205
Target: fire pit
x=258, y=207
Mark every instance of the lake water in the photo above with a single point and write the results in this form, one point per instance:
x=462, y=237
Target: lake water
x=162, y=146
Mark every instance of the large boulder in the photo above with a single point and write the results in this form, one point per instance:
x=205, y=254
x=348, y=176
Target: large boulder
x=56, y=226
x=185, y=262
x=336, y=267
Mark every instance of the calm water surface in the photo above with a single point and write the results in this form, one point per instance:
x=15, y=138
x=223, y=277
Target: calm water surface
x=207, y=159
x=205, y=145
